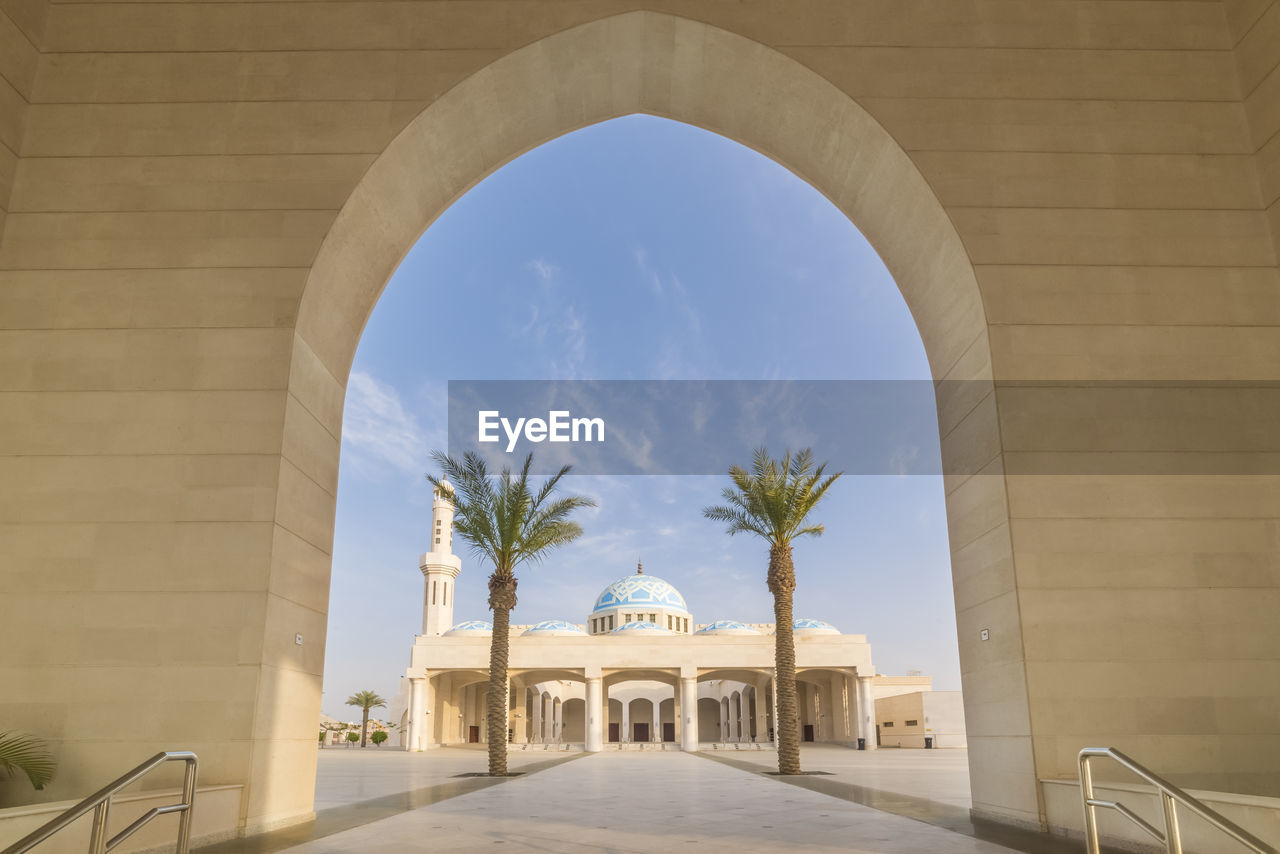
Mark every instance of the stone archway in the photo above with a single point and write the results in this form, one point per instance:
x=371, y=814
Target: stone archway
x=643, y=62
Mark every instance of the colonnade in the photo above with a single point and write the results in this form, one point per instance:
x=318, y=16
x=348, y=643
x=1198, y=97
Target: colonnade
x=840, y=709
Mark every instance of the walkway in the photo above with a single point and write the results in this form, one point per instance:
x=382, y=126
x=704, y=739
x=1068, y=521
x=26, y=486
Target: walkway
x=645, y=802
x=352, y=775
x=940, y=776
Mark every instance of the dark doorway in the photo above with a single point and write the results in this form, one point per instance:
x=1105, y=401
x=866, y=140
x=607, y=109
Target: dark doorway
x=615, y=732
x=808, y=732
x=668, y=731
x=474, y=735
x=641, y=732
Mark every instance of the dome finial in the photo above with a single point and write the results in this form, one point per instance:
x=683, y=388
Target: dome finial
x=639, y=567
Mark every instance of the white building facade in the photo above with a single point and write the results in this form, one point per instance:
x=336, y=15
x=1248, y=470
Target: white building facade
x=638, y=673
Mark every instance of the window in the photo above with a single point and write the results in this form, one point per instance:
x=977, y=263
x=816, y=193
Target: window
x=446, y=593
x=653, y=618
x=887, y=724
x=912, y=723
x=437, y=541
x=433, y=593
x=669, y=622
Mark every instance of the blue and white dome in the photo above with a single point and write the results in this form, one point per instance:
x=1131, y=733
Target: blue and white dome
x=470, y=627
x=806, y=627
x=726, y=627
x=637, y=627
x=552, y=628
x=640, y=591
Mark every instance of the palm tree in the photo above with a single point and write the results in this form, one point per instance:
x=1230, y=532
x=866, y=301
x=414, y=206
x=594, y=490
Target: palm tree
x=508, y=522
x=28, y=755
x=773, y=501
x=366, y=700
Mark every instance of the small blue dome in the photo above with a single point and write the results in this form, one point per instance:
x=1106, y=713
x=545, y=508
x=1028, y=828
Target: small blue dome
x=726, y=627
x=808, y=626
x=637, y=590
x=640, y=627
x=471, y=627
x=551, y=628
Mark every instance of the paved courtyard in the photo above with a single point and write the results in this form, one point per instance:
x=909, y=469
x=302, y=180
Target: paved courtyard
x=353, y=775
x=633, y=802
x=941, y=776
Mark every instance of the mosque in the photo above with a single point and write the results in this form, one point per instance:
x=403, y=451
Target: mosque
x=639, y=672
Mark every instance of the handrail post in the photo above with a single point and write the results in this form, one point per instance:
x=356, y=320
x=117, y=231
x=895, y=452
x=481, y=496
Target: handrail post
x=98, y=835
x=1090, y=814
x=188, y=798
x=1172, y=834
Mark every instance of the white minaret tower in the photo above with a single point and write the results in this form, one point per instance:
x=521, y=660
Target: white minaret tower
x=440, y=568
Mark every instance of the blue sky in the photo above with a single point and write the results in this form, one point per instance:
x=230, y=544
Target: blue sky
x=635, y=249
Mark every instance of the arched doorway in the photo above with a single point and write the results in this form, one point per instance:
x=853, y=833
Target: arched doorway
x=748, y=93
x=574, y=728
x=709, y=719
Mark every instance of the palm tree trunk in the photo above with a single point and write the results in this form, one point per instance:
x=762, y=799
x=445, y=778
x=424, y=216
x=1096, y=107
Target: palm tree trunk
x=782, y=583
x=364, y=727
x=502, y=598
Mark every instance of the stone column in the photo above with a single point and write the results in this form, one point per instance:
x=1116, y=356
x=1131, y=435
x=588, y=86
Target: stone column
x=762, y=717
x=537, y=718
x=726, y=709
x=520, y=725
x=866, y=712
x=689, y=712
x=848, y=715
x=413, y=738
x=626, y=722
x=773, y=705
x=595, y=727
x=675, y=709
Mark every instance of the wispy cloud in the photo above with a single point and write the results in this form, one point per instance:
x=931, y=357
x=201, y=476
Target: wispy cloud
x=377, y=432
x=543, y=269
x=555, y=324
x=674, y=360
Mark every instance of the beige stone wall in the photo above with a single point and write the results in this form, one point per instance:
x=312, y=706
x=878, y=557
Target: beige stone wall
x=1255, y=33
x=1103, y=177
x=21, y=31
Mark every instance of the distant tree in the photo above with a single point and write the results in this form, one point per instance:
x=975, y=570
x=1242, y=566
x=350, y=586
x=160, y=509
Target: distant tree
x=352, y=738
x=327, y=727
x=366, y=700
x=378, y=737
x=28, y=755
x=508, y=521
x=773, y=501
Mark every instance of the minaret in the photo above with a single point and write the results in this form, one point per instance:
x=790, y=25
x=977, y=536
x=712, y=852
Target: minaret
x=440, y=567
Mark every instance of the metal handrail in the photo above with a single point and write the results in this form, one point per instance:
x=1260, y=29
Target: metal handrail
x=1170, y=797
x=100, y=803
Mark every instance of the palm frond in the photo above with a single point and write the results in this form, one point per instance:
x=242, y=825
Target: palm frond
x=504, y=518
x=366, y=700
x=773, y=498
x=26, y=754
